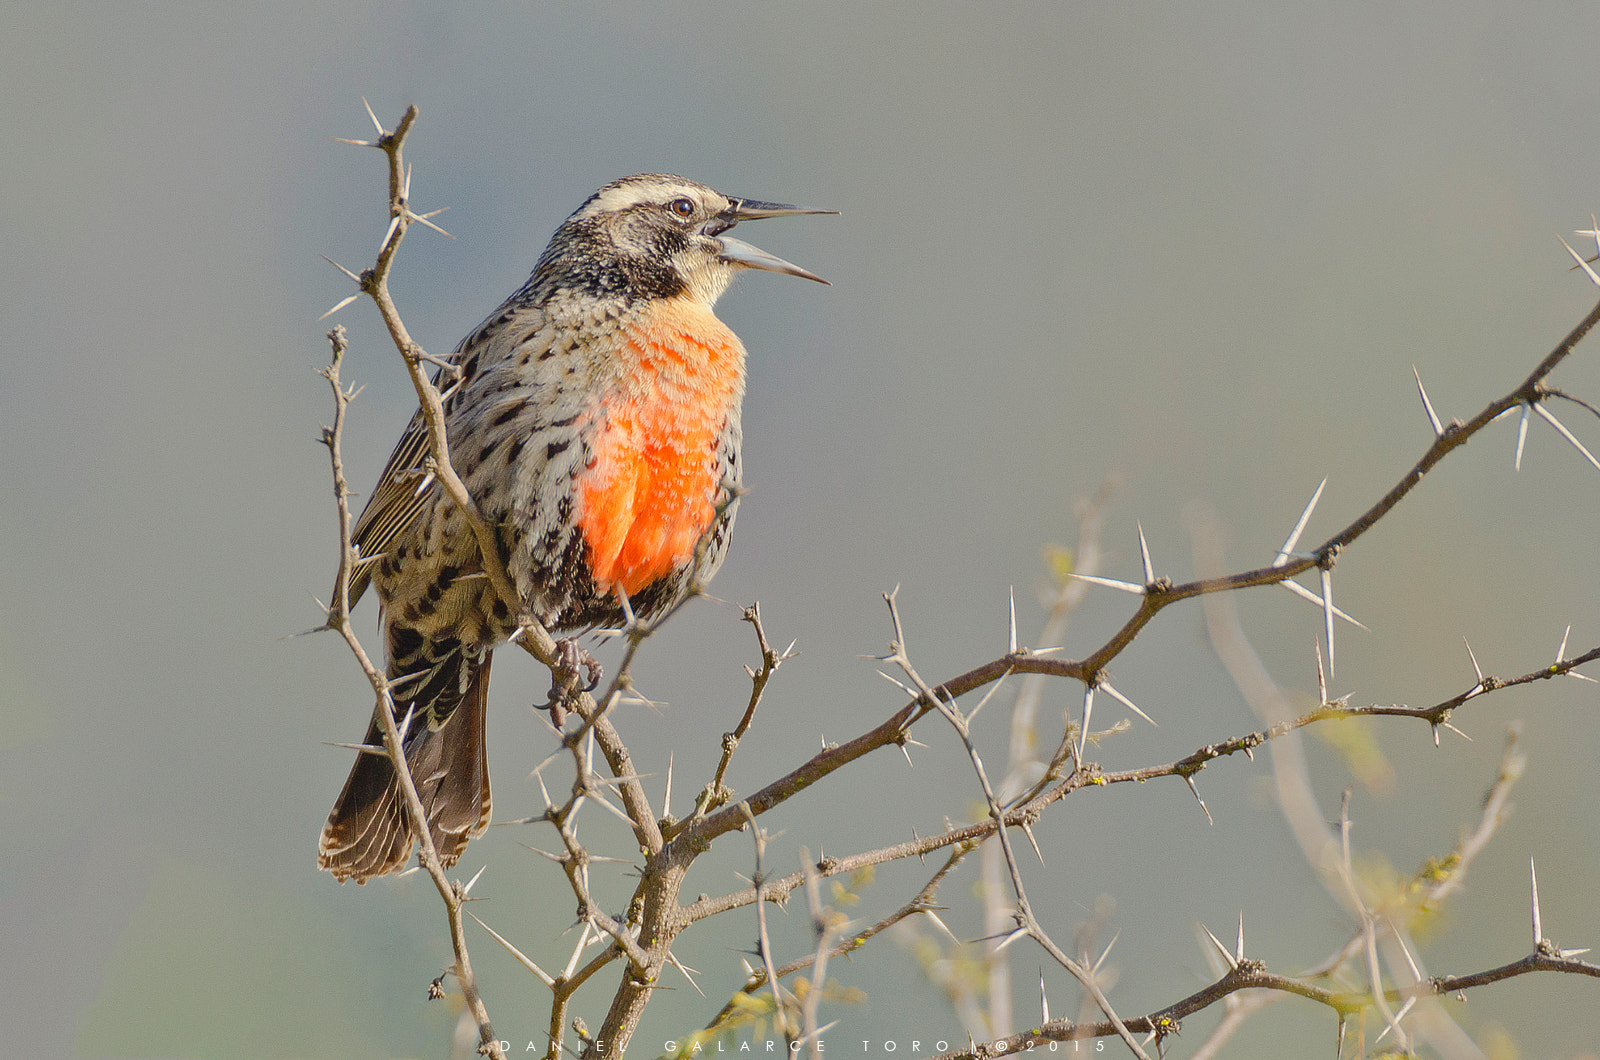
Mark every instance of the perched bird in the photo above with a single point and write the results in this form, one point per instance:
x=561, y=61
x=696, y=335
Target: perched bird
x=594, y=418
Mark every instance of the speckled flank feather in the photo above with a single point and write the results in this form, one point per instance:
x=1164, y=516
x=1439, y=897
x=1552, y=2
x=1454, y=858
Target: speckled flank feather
x=595, y=420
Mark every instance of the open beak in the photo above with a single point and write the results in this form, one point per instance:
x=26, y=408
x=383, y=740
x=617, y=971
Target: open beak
x=741, y=253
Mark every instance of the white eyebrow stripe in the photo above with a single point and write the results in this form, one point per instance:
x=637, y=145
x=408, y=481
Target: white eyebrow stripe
x=631, y=191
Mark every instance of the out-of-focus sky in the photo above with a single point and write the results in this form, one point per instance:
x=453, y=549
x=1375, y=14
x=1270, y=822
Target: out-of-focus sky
x=1197, y=246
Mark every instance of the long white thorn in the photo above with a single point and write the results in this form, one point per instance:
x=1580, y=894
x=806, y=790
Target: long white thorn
x=940, y=924
x=1011, y=639
x=1327, y=613
x=1522, y=437
x=340, y=304
x=1538, y=927
x=907, y=689
x=1088, y=709
x=1196, y=793
x=1027, y=830
x=1110, y=583
x=577, y=951
x=522, y=959
x=1299, y=527
x=1223, y=950
x=364, y=748
x=1593, y=277
x=1021, y=932
x=394, y=223
x=1416, y=973
x=982, y=702
x=1306, y=594
x=1561, y=657
x=1398, y=1016
x=1474, y=657
x=1125, y=701
x=686, y=971
x=1550, y=418
x=422, y=219
x=1105, y=953
x=406, y=679
x=606, y=804
x=405, y=722
x=1144, y=554
x=1433, y=417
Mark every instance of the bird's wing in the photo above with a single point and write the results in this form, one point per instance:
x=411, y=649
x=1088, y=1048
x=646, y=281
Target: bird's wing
x=404, y=489
x=401, y=493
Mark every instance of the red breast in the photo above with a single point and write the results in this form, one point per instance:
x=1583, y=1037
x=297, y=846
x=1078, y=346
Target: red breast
x=649, y=494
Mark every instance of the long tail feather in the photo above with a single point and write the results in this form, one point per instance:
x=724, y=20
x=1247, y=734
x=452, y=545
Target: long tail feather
x=369, y=832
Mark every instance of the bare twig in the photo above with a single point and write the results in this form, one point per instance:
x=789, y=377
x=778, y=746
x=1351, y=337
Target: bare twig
x=824, y=931
x=1252, y=975
x=375, y=284
x=1026, y=922
x=777, y=890
x=453, y=894
x=716, y=794
x=787, y=1024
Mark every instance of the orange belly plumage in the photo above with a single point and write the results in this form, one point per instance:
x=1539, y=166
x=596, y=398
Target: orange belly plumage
x=650, y=493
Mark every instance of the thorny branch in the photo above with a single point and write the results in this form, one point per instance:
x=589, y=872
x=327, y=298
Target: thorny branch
x=782, y=1002
x=374, y=283
x=1455, y=434
x=1027, y=923
x=825, y=929
x=1251, y=974
x=1249, y=978
x=452, y=893
x=642, y=939
x=1025, y=764
x=779, y=890
x=1160, y=594
x=717, y=794
x=1028, y=808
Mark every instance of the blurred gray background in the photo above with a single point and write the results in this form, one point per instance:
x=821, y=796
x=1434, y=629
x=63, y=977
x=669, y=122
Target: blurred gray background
x=1199, y=246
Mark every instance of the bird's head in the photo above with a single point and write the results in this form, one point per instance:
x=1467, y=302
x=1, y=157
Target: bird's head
x=656, y=235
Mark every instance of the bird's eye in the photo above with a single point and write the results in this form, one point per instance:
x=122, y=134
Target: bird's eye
x=682, y=207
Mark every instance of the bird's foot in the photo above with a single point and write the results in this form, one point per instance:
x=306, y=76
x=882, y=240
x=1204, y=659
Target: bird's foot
x=572, y=666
